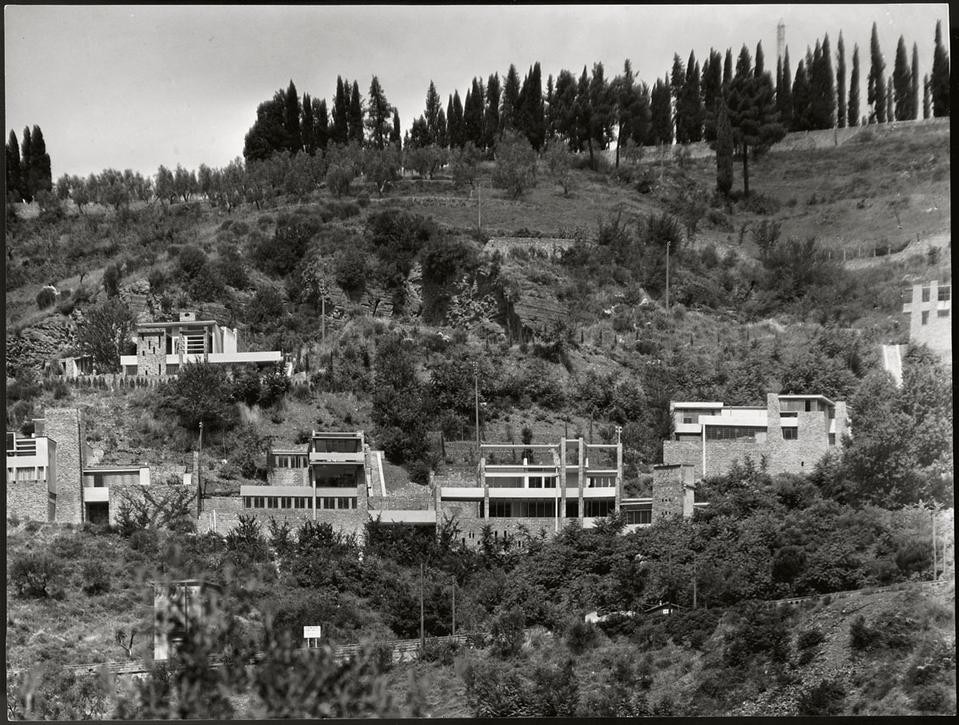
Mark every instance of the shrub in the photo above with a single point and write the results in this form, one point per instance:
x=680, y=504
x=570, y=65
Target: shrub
x=37, y=576
x=809, y=638
x=338, y=180
x=46, y=297
x=507, y=632
x=580, y=637
x=930, y=699
x=95, y=578
x=441, y=651
x=826, y=698
x=862, y=637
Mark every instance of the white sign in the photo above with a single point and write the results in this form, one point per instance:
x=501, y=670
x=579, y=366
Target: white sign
x=310, y=632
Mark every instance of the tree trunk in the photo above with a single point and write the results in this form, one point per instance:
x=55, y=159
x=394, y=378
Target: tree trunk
x=619, y=137
x=591, y=164
x=745, y=171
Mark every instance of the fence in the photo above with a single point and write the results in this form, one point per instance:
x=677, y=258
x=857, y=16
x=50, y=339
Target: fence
x=403, y=650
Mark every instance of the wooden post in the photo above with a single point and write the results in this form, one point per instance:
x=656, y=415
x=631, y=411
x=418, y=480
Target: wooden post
x=454, y=606
x=422, y=618
x=935, y=553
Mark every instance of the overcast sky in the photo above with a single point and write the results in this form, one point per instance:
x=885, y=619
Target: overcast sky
x=139, y=86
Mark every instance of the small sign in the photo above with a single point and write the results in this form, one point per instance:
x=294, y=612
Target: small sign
x=312, y=632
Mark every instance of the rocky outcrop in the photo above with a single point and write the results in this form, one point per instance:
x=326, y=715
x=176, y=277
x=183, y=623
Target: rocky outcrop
x=38, y=344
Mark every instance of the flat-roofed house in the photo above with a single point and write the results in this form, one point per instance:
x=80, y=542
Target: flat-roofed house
x=164, y=347
x=790, y=433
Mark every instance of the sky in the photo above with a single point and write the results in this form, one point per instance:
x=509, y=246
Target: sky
x=117, y=86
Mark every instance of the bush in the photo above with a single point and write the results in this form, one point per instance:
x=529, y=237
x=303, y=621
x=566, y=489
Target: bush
x=441, y=651
x=930, y=699
x=581, y=636
x=37, y=576
x=809, y=638
x=46, y=297
x=507, y=632
x=826, y=698
x=95, y=578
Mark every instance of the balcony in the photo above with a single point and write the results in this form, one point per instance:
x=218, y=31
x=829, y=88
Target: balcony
x=96, y=494
x=336, y=457
x=403, y=517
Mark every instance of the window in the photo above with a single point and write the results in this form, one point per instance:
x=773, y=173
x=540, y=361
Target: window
x=790, y=434
x=688, y=419
x=925, y=318
x=808, y=406
x=246, y=502
x=732, y=432
x=598, y=508
x=942, y=313
x=500, y=509
x=925, y=294
x=346, y=503
x=639, y=516
x=535, y=481
x=329, y=502
x=572, y=509
x=944, y=294
x=832, y=439
x=539, y=509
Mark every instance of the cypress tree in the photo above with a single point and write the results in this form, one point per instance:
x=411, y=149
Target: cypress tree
x=902, y=82
x=491, y=121
x=661, y=122
x=852, y=110
x=43, y=178
x=622, y=88
x=926, y=99
x=939, y=78
x=563, y=109
x=473, y=116
x=727, y=69
x=442, y=139
x=291, y=118
x=890, y=93
x=840, y=82
x=510, y=100
x=712, y=84
x=13, y=168
x=914, y=86
x=677, y=79
x=724, y=150
x=814, y=73
x=321, y=124
x=26, y=165
x=307, y=125
x=456, y=120
x=760, y=62
x=784, y=95
x=534, y=110
x=876, y=85
x=801, y=97
x=827, y=90
x=432, y=111
x=600, y=110
x=339, y=134
x=395, y=131
x=379, y=116
x=355, y=118
x=548, y=111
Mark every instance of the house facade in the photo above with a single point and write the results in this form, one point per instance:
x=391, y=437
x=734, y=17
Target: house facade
x=929, y=308
x=49, y=477
x=790, y=433
x=338, y=479
x=164, y=347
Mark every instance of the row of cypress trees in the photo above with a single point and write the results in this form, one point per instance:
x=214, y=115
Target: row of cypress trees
x=27, y=166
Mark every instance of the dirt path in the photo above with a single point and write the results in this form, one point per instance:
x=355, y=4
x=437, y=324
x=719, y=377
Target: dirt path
x=921, y=246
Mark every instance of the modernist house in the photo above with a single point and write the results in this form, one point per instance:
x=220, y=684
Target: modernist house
x=338, y=479
x=929, y=306
x=48, y=478
x=790, y=433
x=163, y=347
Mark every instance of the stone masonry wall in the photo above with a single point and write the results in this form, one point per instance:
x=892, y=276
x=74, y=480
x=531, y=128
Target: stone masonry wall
x=289, y=477
x=669, y=490
x=63, y=425
x=27, y=499
x=151, y=354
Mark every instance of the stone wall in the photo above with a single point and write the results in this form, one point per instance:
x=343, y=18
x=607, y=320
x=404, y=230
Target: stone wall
x=289, y=477
x=549, y=246
x=454, y=478
x=227, y=517
x=151, y=353
x=64, y=426
x=670, y=495
x=412, y=497
x=27, y=499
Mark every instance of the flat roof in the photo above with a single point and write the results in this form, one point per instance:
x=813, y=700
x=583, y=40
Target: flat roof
x=113, y=469
x=806, y=397
x=687, y=404
x=336, y=434
x=179, y=323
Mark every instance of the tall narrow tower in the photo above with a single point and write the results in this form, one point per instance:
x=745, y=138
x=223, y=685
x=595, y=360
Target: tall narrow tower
x=780, y=39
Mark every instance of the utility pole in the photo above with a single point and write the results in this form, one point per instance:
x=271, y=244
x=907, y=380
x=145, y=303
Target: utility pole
x=479, y=205
x=476, y=405
x=454, y=606
x=422, y=630
x=323, y=318
x=668, y=242
x=199, y=465
x=935, y=552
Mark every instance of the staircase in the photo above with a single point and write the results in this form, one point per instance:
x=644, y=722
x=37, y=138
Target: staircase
x=892, y=361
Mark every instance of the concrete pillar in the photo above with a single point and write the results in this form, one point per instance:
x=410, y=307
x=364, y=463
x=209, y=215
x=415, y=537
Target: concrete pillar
x=65, y=427
x=842, y=417
x=562, y=479
x=582, y=476
x=774, y=430
x=485, y=485
x=619, y=469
